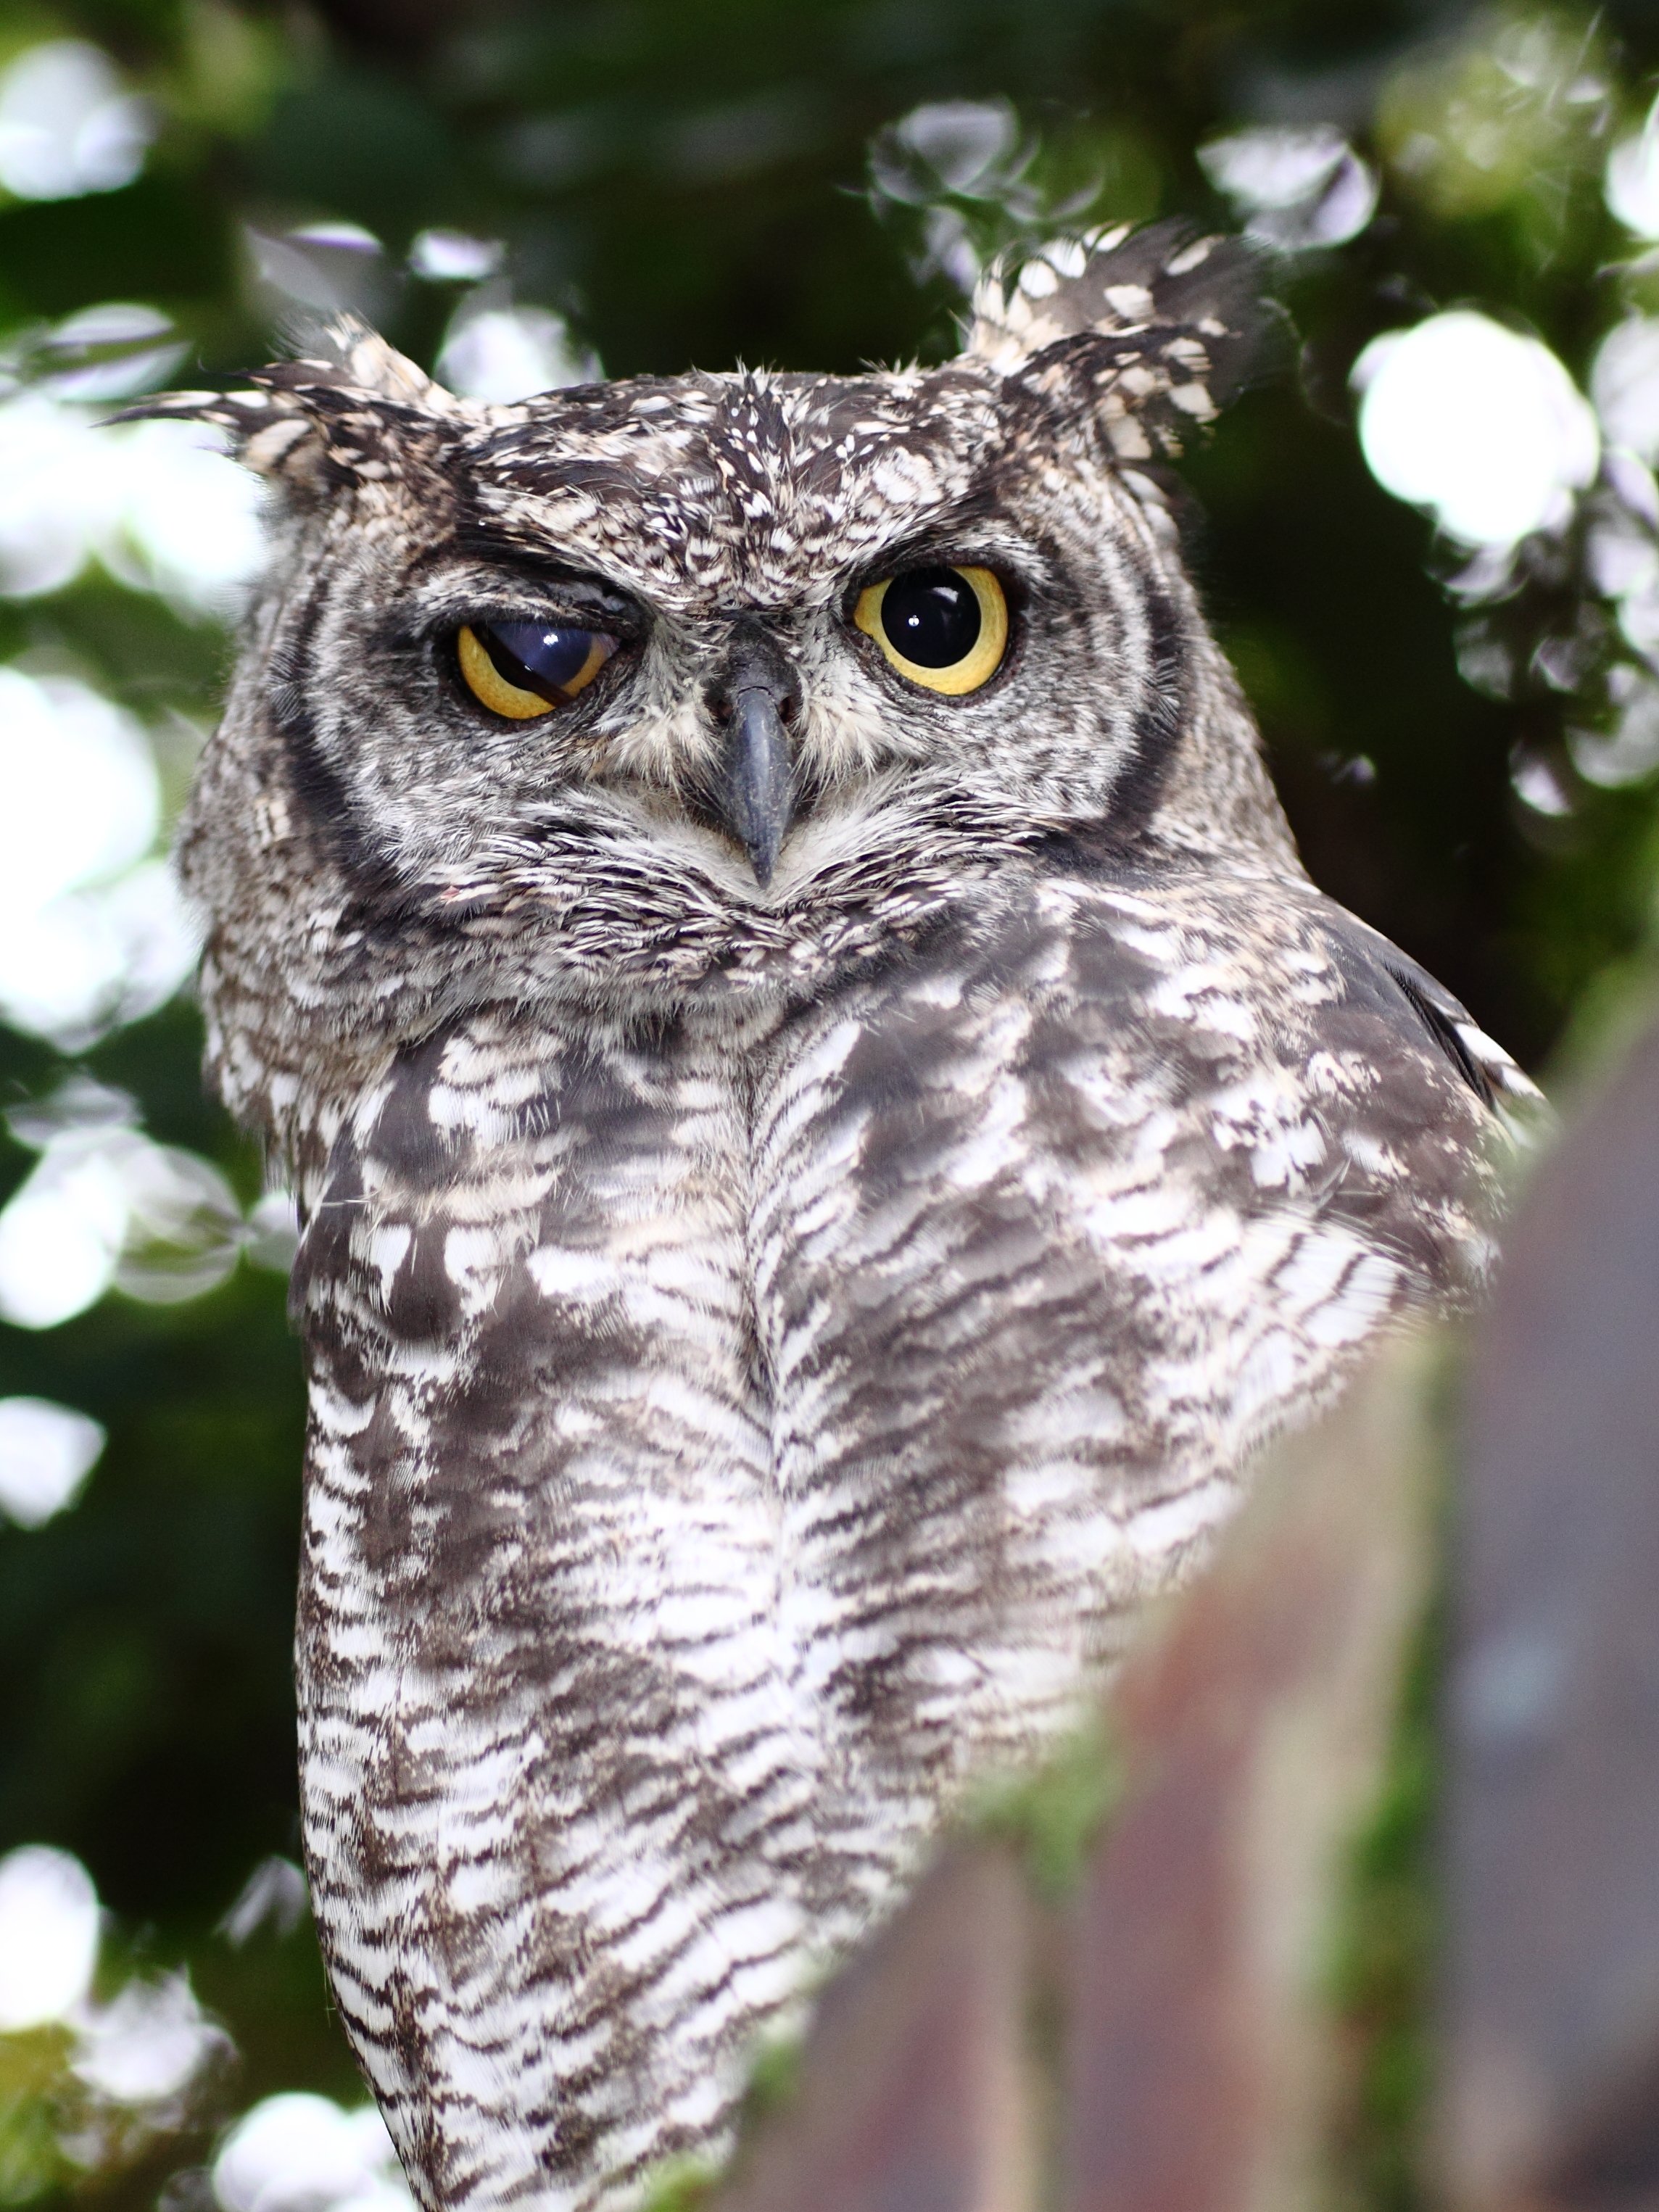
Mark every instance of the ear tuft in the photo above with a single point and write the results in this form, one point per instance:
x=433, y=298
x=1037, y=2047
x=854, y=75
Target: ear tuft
x=326, y=422
x=1152, y=330
x=352, y=357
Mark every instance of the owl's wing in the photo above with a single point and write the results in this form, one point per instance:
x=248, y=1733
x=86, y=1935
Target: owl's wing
x=1058, y=1224
x=1372, y=964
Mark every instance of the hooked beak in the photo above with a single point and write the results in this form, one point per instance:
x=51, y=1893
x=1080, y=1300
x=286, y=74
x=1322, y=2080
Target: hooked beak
x=753, y=793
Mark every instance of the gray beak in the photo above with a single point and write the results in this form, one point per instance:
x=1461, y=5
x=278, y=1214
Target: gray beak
x=756, y=801
x=753, y=793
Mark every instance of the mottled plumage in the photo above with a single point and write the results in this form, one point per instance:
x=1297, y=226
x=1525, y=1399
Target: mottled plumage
x=766, y=1339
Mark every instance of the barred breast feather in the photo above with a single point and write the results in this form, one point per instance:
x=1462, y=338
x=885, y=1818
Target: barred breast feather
x=731, y=1432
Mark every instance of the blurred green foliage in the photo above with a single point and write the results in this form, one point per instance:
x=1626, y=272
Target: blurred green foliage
x=1384, y=1971
x=686, y=182
x=1051, y=1819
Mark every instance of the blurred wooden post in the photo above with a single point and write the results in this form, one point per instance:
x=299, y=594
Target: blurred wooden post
x=915, y=2089
x=1201, y=2076
x=1552, y=2004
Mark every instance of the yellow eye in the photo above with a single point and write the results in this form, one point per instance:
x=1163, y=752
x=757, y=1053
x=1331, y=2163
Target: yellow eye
x=522, y=670
x=946, y=628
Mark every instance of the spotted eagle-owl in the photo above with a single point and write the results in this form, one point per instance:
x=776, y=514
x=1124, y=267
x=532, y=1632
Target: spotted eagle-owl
x=828, y=1123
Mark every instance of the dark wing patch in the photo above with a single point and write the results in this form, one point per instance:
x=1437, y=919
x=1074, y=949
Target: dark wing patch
x=1440, y=1021
x=1371, y=966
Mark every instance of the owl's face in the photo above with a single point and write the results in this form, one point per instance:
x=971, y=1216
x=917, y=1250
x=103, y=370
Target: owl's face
x=739, y=619
x=711, y=683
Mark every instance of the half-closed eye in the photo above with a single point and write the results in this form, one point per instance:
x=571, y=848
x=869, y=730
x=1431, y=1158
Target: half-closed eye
x=522, y=670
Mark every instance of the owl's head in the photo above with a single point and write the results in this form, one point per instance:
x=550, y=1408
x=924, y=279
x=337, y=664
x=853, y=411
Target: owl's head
x=672, y=683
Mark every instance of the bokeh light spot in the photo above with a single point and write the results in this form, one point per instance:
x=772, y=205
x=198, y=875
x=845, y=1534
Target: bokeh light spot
x=1480, y=425
x=147, y=2043
x=46, y=1453
x=66, y=124
x=160, y=504
x=60, y=1238
x=504, y=354
x=299, y=2152
x=48, y=1935
x=1294, y=188
x=1632, y=181
x=1625, y=385
x=83, y=799
x=105, y=1205
x=453, y=257
x=86, y=938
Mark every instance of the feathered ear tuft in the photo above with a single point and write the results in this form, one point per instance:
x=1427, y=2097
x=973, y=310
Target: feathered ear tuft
x=1152, y=330
x=320, y=423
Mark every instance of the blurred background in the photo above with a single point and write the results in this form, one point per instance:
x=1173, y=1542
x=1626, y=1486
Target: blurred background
x=1431, y=546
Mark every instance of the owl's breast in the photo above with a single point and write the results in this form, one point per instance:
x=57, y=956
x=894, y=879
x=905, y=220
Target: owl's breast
x=724, y=1443
x=557, y=1782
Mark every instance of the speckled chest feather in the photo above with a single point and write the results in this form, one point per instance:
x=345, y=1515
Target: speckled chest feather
x=775, y=1309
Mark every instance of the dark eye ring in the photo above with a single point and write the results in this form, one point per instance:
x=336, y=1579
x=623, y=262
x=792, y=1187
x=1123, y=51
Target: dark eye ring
x=524, y=670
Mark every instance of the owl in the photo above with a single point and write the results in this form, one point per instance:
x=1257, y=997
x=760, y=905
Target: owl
x=829, y=1123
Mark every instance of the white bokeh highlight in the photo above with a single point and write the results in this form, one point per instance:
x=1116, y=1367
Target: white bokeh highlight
x=109, y=351
x=273, y=1232
x=61, y=1237
x=274, y=1896
x=67, y=124
x=160, y=504
x=1295, y=188
x=1632, y=178
x=1480, y=425
x=1625, y=751
x=300, y=2152
x=503, y=354
x=48, y=1928
x=970, y=148
x=82, y=798
x=46, y=1453
x=455, y=257
x=1625, y=385
x=91, y=931
x=148, y=2045
x=109, y=1208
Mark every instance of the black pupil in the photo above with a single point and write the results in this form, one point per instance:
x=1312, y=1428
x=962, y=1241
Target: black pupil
x=931, y=617
x=537, y=658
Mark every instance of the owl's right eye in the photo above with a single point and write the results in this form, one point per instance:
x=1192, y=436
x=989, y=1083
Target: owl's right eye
x=522, y=670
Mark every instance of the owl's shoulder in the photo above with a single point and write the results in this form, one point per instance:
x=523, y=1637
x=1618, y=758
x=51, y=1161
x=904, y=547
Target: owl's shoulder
x=1214, y=961
x=1224, y=1033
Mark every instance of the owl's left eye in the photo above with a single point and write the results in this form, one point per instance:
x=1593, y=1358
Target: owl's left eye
x=525, y=669
x=946, y=628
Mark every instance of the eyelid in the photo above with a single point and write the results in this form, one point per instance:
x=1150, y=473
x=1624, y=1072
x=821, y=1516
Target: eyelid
x=624, y=625
x=478, y=656
x=492, y=590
